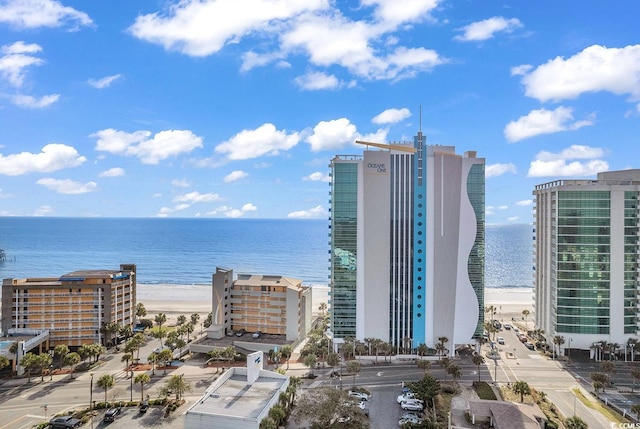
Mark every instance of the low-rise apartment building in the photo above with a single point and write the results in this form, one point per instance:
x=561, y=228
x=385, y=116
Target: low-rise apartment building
x=74, y=307
x=266, y=303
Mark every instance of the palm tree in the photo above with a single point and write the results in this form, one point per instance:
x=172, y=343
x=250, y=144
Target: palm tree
x=636, y=409
x=442, y=341
x=71, y=359
x=478, y=360
x=575, y=422
x=310, y=361
x=455, y=371
x=422, y=349
x=522, y=388
x=558, y=341
x=142, y=379
x=278, y=414
x=182, y=319
x=61, y=351
x=106, y=382
x=525, y=313
x=491, y=309
x=268, y=423
x=286, y=351
x=160, y=319
x=195, y=318
x=353, y=367
x=323, y=308
x=4, y=362
x=140, y=310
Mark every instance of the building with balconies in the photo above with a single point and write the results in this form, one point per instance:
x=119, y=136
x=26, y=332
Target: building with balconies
x=75, y=307
x=586, y=252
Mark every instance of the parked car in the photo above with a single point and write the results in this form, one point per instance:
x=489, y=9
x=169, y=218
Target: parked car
x=530, y=346
x=411, y=415
x=406, y=397
x=410, y=420
x=256, y=334
x=111, y=414
x=501, y=341
x=412, y=405
x=144, y=406
x=359, y=395
x=240, y=333
x=65, y=422
x=507, y=326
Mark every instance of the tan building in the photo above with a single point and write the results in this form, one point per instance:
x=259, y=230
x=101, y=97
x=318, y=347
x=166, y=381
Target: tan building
x=269, y=304
x=74, y=307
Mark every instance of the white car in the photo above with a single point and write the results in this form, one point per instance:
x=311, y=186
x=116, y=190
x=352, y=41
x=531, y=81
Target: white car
x=410, y=415
x=501, y=341
x=410, y=420
x=408, y=397
x=359, y=395
x=413, y=405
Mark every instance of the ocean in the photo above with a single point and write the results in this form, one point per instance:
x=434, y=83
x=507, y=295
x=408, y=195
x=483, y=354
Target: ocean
x=187, y=251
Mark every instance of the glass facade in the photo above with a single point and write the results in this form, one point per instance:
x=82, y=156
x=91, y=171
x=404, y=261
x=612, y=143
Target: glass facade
x=630, y=261
x=582, y=262
x=344, y=222
x=475, y=265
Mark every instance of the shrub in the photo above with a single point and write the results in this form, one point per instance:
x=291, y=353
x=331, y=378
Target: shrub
x=484, y=391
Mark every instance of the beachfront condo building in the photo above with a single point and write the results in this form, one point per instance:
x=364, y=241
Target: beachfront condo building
x=586, y=260
x=269, y=304
x=407, y=245
x=75, y=308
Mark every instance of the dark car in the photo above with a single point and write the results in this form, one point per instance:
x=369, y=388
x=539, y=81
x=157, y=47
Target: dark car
x=144, y=406
x=240, y=333
x=65, y=422
x=111, y=414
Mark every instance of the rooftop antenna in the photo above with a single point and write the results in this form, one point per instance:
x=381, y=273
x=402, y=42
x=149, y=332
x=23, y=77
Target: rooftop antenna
x=421, y=119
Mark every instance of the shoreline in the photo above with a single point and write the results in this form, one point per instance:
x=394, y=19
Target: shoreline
x=176, y=299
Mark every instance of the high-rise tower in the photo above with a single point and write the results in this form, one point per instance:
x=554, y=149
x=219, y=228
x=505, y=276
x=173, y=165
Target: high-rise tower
x=407, y=244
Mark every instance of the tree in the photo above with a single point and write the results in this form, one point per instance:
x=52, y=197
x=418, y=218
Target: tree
x=71, y=360
x=310, y=361
x=441, y=346
x=153, y=360
x=4, y=362
x=160, y=333
x=426, y=389
x=525, y=313
x=353, y=367
x=422, y=349
x=522, y=388
x=278, y=414
x=189, y=328
x=182, y=319
x=142, y=379
x=141, y=311
x=29, y=361
x=209, y=320
x=287, y=351
x=61, y=351
x=177, y=384
x=195, y=318
x=575, y=422
x=165, y=356
x=126, y=331
x=608, y=368
x=478, y=360
x=160, y=319
x=323, y=308
x=455, y=371
x=44, y=361
x=268, y=423
x=445, y=362
x=599, y=380
x=109, y=329
x=558, y=341
x=229, y=353
x=424, y=365
x=106, y=382
x=323, y=406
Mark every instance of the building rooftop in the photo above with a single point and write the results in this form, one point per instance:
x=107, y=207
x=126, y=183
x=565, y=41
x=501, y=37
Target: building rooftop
x=234, y=397
x=267, y=280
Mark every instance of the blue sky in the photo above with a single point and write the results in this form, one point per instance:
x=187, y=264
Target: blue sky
x=234, y=108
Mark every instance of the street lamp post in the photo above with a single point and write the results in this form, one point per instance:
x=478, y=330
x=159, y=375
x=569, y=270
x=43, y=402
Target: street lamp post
x=131, y=399
x=91, y=400
x=569, y=351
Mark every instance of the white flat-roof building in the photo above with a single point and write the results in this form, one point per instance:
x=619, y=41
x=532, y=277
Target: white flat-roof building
x=239, y=399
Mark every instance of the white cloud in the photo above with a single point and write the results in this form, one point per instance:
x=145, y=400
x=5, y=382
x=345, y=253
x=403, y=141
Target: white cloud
x=494, y=170
x=197, y=197
x=314, y=213
x=596, y=68
x=486, y=29
x=524, y=203
x=489, y=210
x=230, y=212
x=317, y=177
x=513, y=218
x=249, y=208
x=317, y=80
x=181, y=183
x=543, y=121
x=53, y=157
x=112, y=172
x=264, y=140
x=16, y=59
x=235, y=175
x=339, y=133
x=200, y=28
x=503, y=207
x=43, y=211
x=234, y=213
x=166, y=211
x=150, y=149
x=104, y=82
x=391, y=116
x=314, y=28
x=41, y=13
x=31, y=102
x=67, y=186
x=549, y=164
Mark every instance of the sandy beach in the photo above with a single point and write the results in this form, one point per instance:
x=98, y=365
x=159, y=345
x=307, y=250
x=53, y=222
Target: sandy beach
x=174, y=300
